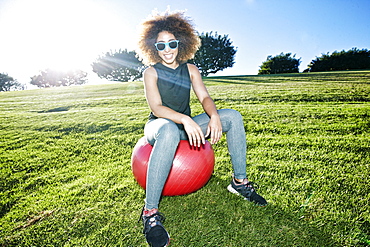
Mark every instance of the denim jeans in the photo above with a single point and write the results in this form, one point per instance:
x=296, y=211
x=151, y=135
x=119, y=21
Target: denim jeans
x=164, y=135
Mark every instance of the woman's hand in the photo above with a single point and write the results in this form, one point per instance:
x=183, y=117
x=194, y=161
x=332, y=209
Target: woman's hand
x=194, y=132
x=214, y=129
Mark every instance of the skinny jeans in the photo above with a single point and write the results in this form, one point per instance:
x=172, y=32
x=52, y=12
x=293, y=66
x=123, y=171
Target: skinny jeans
x=164, y=135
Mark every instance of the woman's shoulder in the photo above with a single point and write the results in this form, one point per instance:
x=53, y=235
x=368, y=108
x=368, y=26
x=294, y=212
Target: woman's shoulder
x=193, y=69
x=192, y=66
x=149, y=70
x=150, y=73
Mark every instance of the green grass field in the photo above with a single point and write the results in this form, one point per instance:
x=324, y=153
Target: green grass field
x=66, y=174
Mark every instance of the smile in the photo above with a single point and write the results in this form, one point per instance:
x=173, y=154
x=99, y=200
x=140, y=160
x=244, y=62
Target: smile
x=168, y=56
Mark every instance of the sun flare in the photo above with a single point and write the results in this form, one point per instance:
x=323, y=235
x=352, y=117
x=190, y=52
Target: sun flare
x=59, y=35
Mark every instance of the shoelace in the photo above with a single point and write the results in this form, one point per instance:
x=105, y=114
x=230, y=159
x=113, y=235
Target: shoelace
x=152, y=221
x=252, y=185
x=247, y=188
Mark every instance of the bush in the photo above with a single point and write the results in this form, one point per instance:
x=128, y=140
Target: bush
x=283, y=63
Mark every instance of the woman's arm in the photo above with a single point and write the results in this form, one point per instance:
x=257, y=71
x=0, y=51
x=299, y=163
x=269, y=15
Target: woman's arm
x=214, y=129
x=194, y=132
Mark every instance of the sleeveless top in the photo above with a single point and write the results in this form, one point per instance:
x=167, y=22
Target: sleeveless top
x=174, y=88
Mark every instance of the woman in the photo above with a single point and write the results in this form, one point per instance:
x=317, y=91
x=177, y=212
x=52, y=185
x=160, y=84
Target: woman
x=166, y=43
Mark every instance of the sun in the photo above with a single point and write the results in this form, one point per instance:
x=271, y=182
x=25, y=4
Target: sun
x=59, y=34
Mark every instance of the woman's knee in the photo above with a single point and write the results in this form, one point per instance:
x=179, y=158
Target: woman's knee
x=169, y=131
x=166, y=130
x=230, y=114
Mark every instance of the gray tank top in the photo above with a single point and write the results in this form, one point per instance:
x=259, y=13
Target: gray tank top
x=174, y=87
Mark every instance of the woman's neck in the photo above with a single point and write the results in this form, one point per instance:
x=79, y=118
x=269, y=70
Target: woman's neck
x=173, y=65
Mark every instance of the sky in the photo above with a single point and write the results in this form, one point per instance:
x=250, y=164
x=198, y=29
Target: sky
x=69, y=34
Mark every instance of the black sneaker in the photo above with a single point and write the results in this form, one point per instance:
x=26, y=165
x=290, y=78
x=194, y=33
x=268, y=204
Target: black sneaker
x=246, y=190
x=154, y=232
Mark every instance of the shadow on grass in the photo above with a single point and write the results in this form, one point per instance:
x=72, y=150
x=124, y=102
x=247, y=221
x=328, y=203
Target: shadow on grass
x=92, y=128
x=57, y=109
x=215, y=217
x=295, y=98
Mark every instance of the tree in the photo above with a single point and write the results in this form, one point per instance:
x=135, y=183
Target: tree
x=215, y=54
x=119, y=66
x=55, y=78
x=7, y=83
x=343, y=60
x=283, y=63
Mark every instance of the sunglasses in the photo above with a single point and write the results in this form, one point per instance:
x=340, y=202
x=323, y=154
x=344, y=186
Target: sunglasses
x=172, y=44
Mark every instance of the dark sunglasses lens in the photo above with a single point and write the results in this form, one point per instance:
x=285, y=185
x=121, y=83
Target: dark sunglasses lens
x=160, y=46
x=173, y=44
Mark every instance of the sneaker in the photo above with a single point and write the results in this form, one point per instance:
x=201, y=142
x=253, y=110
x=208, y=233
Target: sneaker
x=154, y=232
x=246, y=190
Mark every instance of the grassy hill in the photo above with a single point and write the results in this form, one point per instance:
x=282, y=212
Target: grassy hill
x=66, y=178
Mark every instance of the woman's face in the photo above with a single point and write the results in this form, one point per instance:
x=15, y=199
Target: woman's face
x=168, y=55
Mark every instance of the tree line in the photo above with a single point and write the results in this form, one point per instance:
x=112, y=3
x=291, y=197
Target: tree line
x=343, y=60
x=215, y=54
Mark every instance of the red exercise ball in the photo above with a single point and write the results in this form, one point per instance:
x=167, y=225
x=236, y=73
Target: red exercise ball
x=191, y=169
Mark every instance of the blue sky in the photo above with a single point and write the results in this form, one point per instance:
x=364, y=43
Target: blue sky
x=47, y=33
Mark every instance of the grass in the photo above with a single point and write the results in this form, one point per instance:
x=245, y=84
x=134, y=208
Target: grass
x=66, y=178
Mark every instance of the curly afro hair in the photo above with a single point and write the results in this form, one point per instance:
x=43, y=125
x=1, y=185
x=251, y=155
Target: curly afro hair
x=177, y=24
